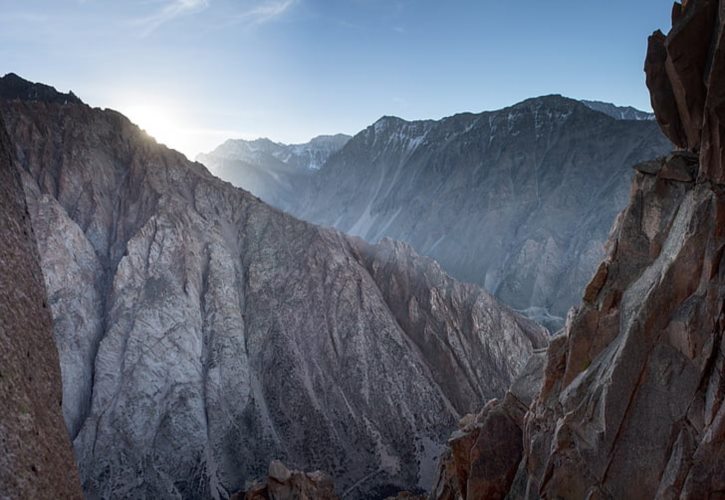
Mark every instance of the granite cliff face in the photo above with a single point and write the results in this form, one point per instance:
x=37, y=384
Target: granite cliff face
x=519, y=201
x=631, y=400
x=203, y=334
x=36, y=458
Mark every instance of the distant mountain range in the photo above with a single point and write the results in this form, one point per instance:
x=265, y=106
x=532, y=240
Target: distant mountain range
x=271, y=170
x=518, y=200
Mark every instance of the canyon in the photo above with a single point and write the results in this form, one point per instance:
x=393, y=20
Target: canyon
x=519, y=201
x=202, y=333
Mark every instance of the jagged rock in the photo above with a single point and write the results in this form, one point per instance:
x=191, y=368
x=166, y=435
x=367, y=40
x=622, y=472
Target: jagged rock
x=14, y=87
x=203, y=333
x=483, y=457
x=687, y=85
x=662, y=96
x=283, y=484
x=36, y=460
x=688, y=44
x=680, y=166
x=650, y=167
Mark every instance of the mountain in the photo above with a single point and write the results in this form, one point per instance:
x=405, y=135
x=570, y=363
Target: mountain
x=203, y=333
x=619, y=112
x=519, y=201
x=36, y=459
x=271, y=170
x=14, y=87
x=630, y=403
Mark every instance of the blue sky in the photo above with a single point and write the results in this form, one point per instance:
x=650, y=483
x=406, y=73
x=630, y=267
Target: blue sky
x=195, y=72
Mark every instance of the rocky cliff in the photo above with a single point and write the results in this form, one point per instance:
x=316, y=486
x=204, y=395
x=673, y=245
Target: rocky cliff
x=203, y=333
x=36, y=459
x=631, y=401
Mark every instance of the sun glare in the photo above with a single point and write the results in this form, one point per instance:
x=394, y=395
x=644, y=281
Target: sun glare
x=159, y=123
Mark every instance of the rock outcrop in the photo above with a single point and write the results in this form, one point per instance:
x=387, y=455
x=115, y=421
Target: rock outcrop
x=203, y=333
x=36, y=458
x=284, y=484
x=483, y=456
x=631, y=402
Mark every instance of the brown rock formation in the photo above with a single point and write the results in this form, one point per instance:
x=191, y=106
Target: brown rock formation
x=284, y=484
x=630, y=404
x=36, y=460
x=483, y=456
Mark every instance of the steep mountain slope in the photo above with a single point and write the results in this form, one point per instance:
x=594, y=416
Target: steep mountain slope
x=631, y=402
x=618, y=112
x=203, y=333
x=519, y=201
x=36, y=459
x=271, y=170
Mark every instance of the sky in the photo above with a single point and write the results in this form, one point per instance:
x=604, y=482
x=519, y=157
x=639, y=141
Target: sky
x=194, y=73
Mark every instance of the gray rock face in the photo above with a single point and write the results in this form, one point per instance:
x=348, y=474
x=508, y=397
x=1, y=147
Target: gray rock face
x=36, y=459
x=519, y=201
x=271, y=170
x=203, y=333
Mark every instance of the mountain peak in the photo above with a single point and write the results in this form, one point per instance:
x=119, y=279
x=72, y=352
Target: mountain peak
x=618, y=112
x=14, y=87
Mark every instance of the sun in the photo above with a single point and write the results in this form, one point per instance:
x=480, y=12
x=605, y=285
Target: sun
x=158, y=122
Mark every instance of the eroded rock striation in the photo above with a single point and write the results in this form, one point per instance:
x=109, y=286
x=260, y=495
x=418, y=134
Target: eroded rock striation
x=203, y=333
x=36, y=458
x=631, y=401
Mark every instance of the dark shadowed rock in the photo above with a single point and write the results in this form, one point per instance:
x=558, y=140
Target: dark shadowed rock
x=36, y=460
x=713, y=146
x=660, y=89
x=688, y=47
x=14, y=87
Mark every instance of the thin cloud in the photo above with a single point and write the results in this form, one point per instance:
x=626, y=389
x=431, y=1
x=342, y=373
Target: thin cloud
x=170, y=11
x=265, y=12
